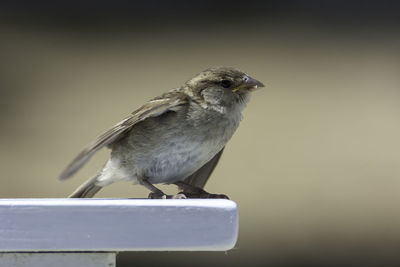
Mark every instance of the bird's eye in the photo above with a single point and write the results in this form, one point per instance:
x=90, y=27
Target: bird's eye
x=225, y=83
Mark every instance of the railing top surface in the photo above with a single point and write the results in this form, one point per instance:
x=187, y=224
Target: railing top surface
x=117, y=224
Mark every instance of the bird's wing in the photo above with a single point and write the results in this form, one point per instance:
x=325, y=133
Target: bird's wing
x=170, y=101
x=200, y=177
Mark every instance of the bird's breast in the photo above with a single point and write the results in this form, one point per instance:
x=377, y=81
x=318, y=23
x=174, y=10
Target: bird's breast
x=184, y=153
x=170, y=148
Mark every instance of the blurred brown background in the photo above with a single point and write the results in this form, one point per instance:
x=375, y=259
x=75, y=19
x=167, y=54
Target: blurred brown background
x=315, y=165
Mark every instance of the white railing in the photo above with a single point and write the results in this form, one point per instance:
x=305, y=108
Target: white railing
x=89, y=232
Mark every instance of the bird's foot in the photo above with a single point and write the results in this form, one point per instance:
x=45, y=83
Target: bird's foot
x=204, y=194
x=153, y=195
x=191, y=191
x=177, y=196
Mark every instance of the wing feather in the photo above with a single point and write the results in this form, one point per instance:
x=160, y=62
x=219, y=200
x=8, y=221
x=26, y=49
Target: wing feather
x=200, y=177
x=167, y=102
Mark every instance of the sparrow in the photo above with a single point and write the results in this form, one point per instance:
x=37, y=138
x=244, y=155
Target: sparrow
x=176, y=138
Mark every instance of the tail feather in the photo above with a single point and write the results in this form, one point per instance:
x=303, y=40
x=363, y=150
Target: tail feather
x=87, y=189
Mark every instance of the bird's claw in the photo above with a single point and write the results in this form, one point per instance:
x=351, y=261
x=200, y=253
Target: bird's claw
x=163, y=196
x=204, y=194
x=220, y=196
x=177, y=196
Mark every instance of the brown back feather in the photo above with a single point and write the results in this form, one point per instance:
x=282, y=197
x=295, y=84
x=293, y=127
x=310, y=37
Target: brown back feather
x=172, y=100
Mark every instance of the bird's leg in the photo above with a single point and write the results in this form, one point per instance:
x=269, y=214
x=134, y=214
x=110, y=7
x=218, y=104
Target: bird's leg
x=157, y=193
x=191, y=191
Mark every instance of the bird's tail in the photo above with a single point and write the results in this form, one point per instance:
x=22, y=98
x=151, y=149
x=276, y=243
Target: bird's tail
x=87, y=189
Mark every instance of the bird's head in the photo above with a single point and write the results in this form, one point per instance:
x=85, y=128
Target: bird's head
x=223, y=85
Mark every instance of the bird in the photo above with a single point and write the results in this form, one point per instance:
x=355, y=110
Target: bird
x=175, y=138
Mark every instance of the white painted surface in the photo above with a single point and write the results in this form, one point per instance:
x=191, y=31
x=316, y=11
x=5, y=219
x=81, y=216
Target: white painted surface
x=117, y=225
x=57, y=259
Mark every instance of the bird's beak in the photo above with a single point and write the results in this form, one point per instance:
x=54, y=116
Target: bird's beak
x=249, y=85
x=253, y=83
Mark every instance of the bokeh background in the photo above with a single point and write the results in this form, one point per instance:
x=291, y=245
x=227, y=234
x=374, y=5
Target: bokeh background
x=315, y=164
